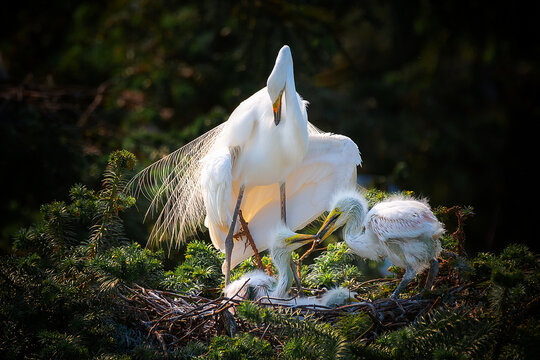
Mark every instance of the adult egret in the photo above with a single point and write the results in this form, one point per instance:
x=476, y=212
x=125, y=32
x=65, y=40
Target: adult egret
x=245, y=162
x=260, y=147
x=257, y=284
x=402, y=229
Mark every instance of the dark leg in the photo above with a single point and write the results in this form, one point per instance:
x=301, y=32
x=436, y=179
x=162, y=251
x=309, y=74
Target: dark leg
x=283, y=197
x=405, y=280
x=433, y=270
x=229, y=242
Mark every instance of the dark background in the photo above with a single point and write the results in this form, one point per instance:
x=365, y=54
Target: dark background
x=440, y=96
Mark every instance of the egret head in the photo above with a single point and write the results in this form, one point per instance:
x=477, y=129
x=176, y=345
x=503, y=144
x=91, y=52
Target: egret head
x=338, y=297
x=277, y=79
x=286, y=239
x=347, y=206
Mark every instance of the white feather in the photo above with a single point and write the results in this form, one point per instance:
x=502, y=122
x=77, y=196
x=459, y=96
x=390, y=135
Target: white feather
x=331, y=298
x=403, y=229
x=250, y=286
x=330, y=164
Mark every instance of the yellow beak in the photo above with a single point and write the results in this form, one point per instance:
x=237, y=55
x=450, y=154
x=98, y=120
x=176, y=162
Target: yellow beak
x=300, y=238
x=329, y=225
x=276, y=108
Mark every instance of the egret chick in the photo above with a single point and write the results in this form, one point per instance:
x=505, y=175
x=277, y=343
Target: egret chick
x=334, y=297
x=402, y=229
x=337, y=297
x=257, y=284
x=260, y=284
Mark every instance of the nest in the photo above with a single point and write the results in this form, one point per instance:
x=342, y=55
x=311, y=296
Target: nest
x=174, y=319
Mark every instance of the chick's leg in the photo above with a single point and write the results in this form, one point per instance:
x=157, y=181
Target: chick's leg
x=405, y=280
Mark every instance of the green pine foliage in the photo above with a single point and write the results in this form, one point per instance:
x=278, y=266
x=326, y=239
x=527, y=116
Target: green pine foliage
x=241, y=347
x=126, y=265
x=316, y=338
x=108, y=228
x=200, y=272
x=440, y=334
x=334, y=267
x=62, y=292
x=59, y=289
x=251, y=265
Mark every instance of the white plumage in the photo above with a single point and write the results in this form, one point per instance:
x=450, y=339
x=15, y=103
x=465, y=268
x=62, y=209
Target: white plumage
x=257, y=285
x=403, y=229
x=330, y=163
x=266, y=142
x=334, y=297
x=283, y=243
x=251, y=286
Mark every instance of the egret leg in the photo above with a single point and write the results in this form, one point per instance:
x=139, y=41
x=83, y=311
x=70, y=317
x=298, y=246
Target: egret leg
x=405, y=280
x=433, y=270
x=283, y=197
x=229, y=242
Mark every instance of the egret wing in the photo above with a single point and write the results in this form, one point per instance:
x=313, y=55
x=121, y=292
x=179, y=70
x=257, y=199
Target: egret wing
x=216, y=187
x=330, y=163
x=400, y=219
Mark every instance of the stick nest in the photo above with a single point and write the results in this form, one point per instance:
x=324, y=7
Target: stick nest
x=174, y=319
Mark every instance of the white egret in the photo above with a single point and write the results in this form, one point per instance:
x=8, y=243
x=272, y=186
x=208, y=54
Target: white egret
x=246, y=161
x=402, y=229
x=257, y=284
x=260, y=147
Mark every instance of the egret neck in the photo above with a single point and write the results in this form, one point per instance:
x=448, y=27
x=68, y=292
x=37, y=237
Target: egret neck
x=353, y=227
x=282, y=259
x=294, y=123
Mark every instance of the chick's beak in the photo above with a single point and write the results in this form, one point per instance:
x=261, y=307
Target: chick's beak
x=300, y=238
x=276, y=108
x=328, y=227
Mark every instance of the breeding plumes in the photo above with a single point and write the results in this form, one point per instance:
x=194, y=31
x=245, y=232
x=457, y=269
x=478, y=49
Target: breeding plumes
x=402, y=229
x=257, y=285
x=245, y=163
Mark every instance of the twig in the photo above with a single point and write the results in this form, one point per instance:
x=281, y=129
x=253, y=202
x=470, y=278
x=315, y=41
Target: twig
x=309, y=251
x=245, y=232
x=459, y=234
x=177, y=318
x=95, y=103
